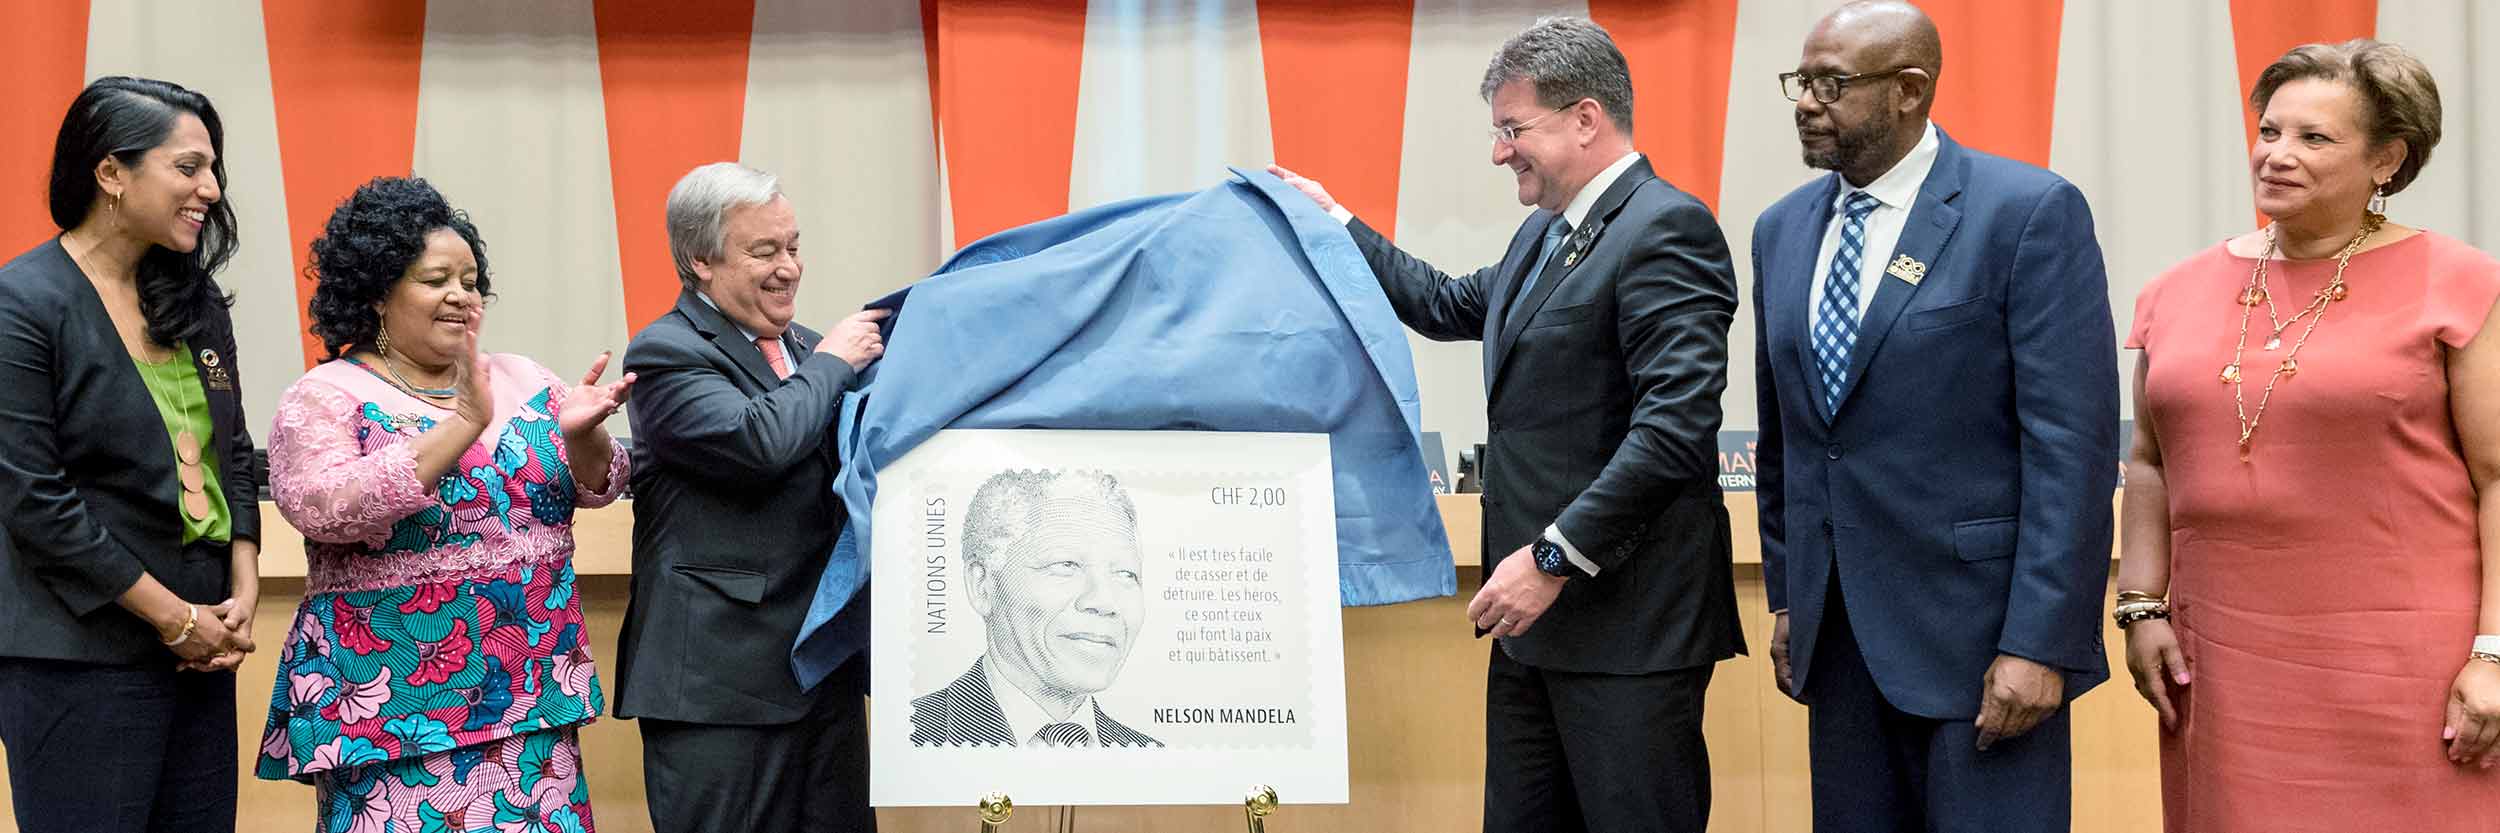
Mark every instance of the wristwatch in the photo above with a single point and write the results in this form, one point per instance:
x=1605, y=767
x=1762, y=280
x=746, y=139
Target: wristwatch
x=1551, y=561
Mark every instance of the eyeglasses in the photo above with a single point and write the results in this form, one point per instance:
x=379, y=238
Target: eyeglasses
x=1509, y=133
x=1828, y=88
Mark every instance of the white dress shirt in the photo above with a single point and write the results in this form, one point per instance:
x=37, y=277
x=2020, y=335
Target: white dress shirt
x=1026, y=718
x=1895, y=193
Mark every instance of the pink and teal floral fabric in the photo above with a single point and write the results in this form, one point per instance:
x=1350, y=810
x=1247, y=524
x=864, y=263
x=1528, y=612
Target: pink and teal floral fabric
x=438, y=619
x=522, y=784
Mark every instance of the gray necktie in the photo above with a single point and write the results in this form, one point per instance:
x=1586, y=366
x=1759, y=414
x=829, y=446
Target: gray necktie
x=1554, y=234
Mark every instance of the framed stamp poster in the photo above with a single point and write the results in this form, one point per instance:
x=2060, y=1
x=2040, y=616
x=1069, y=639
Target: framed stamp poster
x=1106, y=617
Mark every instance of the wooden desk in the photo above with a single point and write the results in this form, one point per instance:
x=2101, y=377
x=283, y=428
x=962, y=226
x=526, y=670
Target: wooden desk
x=1414, y=688
x=603, y=539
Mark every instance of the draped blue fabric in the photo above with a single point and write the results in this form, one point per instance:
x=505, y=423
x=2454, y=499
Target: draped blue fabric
x=1239, y=308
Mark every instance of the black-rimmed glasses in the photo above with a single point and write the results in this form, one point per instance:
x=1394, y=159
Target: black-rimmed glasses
x=1828, y=88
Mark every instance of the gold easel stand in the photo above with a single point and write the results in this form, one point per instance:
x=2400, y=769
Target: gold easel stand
x=1260, y=803
x=1255, y=808
x=995, y=808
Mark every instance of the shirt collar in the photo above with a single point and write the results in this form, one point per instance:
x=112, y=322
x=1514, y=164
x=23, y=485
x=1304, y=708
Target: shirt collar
x=1898, y=188
x=733, y=323
x=1582, y=202
x=1025, y=717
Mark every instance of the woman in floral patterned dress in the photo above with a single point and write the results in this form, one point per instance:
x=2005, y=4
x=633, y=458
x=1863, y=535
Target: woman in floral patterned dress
x=438, y=671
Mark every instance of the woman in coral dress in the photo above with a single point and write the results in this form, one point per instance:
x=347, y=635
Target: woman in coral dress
x=2309, y=504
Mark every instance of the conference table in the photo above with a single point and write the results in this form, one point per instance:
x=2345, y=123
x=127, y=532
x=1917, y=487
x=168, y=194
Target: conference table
x=1414, y=692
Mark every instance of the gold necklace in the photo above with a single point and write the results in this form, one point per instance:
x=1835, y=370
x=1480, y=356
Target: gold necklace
x=2254, y=294
x=188, y=468
x=429, y=394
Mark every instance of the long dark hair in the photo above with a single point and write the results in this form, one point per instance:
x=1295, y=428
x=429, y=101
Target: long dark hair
x=124, y=118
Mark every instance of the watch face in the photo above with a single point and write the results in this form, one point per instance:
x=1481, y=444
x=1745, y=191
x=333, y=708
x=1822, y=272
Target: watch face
x=1549, y=557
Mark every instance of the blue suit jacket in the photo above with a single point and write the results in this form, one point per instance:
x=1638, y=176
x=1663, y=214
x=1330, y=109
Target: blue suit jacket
x=1962, y=490
x=1239, y=308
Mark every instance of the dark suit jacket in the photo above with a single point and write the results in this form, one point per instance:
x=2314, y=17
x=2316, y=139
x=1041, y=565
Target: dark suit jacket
x=734, y=516
x=87, y=482
x=1603, y=416
x=1962, y=490
x=964, y=714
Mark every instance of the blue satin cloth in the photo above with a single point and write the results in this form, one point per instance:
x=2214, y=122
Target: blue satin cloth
x=1239, y=308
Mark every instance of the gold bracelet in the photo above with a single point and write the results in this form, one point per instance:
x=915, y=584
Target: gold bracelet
x=2138, y=612
x=2480, y=656
x=2137, y=596
x=188, y=625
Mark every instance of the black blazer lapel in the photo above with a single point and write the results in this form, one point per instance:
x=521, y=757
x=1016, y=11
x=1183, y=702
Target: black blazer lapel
x=238, y=471
x=1575, y=248
x=725, y=336
x=1931, y=224
x=1498, y=296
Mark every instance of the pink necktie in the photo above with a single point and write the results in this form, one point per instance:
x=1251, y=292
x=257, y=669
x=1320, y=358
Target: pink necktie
x=773, y=356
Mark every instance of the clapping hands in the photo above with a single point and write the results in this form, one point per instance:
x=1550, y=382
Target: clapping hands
x=590, y=403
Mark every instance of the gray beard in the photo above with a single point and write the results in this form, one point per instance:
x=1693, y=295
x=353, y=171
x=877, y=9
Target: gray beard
x=1850, y=146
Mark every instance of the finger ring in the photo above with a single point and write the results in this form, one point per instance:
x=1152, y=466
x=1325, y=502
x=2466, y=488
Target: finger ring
x=1502, y=624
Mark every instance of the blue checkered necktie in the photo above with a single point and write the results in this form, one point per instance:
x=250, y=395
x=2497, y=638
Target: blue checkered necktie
x=1554, y=234
x=1836, y=321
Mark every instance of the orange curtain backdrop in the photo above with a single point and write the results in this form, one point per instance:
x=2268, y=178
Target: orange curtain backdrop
x=2262, y=30
x=1999, y=89
x=343, y=80
x=1336, y=96
x=1006, y=107
x=1679, y=53
x=47, y=48
x=674, y=79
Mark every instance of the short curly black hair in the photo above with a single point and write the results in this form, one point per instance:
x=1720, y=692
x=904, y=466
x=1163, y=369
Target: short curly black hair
x=369, y=242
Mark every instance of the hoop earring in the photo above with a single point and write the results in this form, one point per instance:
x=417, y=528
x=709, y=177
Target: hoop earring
x=382, y=341
x=2378, y=200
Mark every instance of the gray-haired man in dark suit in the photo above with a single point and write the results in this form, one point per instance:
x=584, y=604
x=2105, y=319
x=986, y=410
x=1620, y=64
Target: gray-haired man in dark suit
x=734, y=517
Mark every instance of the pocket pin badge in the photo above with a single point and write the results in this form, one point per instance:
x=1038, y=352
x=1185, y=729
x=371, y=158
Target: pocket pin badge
x=1908, y=269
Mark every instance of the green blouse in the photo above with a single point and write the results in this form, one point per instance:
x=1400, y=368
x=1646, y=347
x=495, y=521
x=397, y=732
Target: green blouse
x=180, y=401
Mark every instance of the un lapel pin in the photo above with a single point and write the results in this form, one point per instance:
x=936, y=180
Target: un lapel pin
x=216, y=377
x=1580, y=242
x=1908, y=269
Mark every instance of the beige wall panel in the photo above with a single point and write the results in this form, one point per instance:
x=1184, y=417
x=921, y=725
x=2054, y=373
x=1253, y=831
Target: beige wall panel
x=2148, y=126
x=1170, y=92
x=511, y=126
x=1455, y=209
x=848, y=131
x=2455, y=38
x=1762, y=164
x=218, y=49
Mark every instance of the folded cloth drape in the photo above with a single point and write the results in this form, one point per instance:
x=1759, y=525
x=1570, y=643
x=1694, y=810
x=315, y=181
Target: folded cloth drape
x=1242, y=307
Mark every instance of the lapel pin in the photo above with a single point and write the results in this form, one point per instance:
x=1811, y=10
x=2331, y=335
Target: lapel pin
x=1908, y=269
x=1580, y=241
x=208, y=357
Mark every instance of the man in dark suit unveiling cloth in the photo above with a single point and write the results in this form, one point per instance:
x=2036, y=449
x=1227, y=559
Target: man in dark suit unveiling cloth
x=734, y=515
x=1607, y=584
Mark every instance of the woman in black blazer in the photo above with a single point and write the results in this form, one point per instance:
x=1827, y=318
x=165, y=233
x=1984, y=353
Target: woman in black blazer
x=129, y=572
